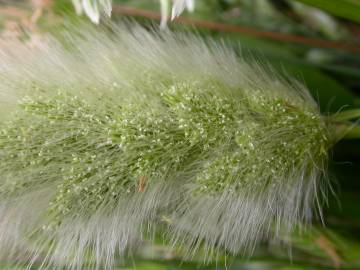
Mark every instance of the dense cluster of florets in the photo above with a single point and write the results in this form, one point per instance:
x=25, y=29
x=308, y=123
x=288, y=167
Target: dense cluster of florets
x=223, y=160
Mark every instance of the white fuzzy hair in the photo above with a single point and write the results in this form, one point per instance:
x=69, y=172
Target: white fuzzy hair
x=132, y=58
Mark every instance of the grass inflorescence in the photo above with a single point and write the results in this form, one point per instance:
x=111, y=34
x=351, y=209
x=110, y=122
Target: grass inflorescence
x=112, y=132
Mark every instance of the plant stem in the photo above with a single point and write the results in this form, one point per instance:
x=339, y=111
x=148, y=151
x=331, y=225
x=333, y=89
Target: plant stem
x=347, y=115
x=347, y=131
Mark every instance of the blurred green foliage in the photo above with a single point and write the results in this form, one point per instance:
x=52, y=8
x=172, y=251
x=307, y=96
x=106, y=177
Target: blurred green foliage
x=348, y=9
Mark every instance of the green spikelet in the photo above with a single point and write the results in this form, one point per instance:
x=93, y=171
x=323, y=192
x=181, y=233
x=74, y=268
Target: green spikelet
x=107, y=137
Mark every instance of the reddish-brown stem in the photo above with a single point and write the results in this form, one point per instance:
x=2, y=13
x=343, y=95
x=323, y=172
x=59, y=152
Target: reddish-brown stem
x=223, y=27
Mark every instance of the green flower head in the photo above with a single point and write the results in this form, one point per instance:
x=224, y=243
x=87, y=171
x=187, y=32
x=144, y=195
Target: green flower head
x=113, y=133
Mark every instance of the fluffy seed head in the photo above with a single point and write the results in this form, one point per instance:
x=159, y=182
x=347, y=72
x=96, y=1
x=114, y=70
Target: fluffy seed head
x=108, y=131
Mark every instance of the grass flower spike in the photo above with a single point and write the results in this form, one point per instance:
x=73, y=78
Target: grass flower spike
x=109, y=133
